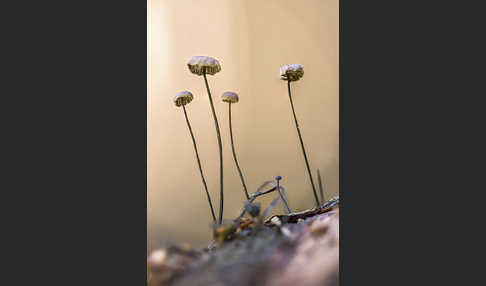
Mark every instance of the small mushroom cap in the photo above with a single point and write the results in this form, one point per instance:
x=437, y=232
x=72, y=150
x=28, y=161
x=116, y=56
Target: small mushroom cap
x=230, y=96
x=183, y=98
x=291, y=72
x=198, y=64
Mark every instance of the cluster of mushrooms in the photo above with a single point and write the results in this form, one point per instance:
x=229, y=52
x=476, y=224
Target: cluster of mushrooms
x=203, y=65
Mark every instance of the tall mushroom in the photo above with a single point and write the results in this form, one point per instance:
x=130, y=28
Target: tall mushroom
x=181, y=99
x=202, y=65
x=294, y=72
x=231, y=97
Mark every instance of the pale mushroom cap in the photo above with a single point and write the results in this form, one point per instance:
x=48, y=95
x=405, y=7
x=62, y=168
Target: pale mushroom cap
x=183, y=98
x=291, y=72
x=230, y=96
x=198, y=64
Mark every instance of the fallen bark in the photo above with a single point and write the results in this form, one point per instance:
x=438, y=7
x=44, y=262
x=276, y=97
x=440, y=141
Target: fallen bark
x=295, y=249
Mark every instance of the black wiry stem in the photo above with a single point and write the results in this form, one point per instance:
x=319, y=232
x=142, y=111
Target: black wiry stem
x=234, y=155
x=199, y=164
x=220, y=151
x=302, y=145
x=321, y=191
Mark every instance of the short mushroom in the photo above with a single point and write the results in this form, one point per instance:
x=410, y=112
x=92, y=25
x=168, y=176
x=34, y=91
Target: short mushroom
x=231, y=97
x=181, y=99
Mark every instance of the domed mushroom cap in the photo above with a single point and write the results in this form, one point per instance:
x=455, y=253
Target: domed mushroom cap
x=183, y=98
x=230, y=96
x=198, y=64
x=291, y=72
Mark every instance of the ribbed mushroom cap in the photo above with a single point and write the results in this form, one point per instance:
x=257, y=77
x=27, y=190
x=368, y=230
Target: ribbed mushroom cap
x=183, y=98
x=291, y=72
x=198, y=64
x=230, y=96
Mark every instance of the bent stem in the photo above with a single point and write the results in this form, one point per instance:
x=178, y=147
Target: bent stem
x=302, y=145
x=234, y=155
x=253, y=197
x=199, y=164
x=220, y=150
x=283, y=197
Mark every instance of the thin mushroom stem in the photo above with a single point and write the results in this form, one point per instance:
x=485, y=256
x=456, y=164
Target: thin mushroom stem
x=199, y=164
x=234, y=154
x=302, y=145
x=221, y=198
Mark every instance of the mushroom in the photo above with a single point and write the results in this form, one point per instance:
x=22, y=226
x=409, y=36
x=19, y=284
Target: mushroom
x=202, y=65
x=181, y=99
x=232, y=97
x=293, y=72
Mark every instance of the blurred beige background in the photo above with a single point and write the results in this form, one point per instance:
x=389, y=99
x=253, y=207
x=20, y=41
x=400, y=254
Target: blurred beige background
x=251, y=39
